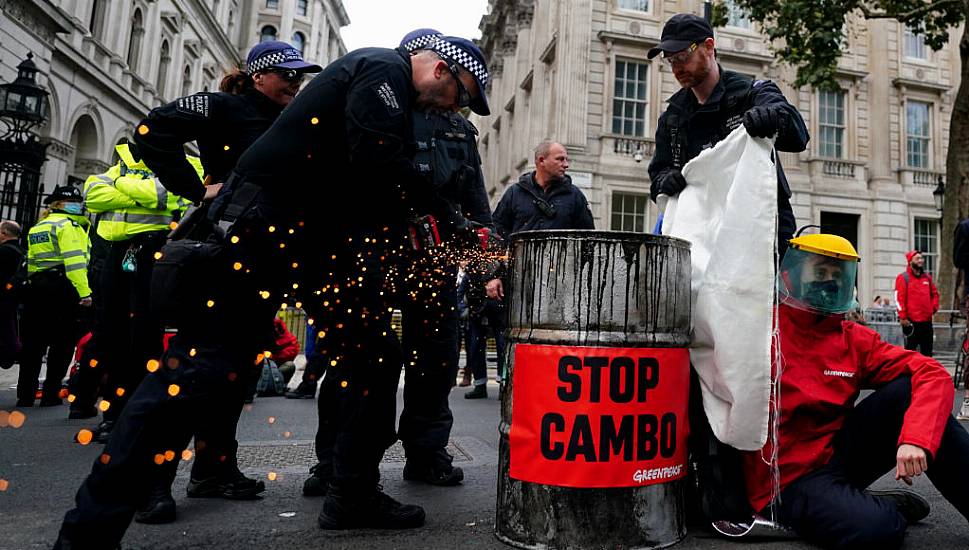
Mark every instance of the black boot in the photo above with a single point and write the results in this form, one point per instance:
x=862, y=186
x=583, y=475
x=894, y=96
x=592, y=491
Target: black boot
x=375, y=511
x=103, y=431
x=442, y=475
x=318, y=483
x=480, y=391
x=79, y=413
x=160, y=507
x=232, y=485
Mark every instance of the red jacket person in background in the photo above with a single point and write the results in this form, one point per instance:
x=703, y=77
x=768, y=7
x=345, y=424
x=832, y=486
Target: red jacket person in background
x=918, y=300
x=830, y=450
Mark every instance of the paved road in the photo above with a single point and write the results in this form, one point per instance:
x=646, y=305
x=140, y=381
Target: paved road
x=44, y=467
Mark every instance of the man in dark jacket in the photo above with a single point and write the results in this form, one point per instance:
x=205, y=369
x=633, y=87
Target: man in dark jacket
x=543, y=199
x=712, y=103
x=11, y=259
x=917, y=300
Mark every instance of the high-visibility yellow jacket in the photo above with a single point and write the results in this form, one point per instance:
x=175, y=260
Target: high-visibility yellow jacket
x=129, y=199
x=60, y=240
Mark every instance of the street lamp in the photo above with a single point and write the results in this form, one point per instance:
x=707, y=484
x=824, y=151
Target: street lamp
x=23, y=105
x=939, y=196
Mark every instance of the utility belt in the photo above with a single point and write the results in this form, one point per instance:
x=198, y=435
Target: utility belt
x=47, y=275
x=196, y=251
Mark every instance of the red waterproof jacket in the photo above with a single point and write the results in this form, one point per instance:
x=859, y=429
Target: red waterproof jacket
x=287, y=346
x=917, y=297
x=826, y=361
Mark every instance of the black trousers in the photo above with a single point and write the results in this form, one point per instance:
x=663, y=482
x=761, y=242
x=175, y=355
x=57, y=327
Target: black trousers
x=493, y=314
x=128, y=334
x=430, y=343
x=202, y=376
x=828, y=506
x=358, y=396
x=48, y=325
x=921, y=339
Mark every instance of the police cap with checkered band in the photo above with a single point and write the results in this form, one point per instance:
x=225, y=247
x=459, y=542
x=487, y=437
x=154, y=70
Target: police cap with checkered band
x=419, y=39
x=280, y=55
x=464, y=52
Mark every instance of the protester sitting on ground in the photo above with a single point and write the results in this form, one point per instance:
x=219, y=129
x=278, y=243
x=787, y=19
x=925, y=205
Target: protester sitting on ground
x=830, y=450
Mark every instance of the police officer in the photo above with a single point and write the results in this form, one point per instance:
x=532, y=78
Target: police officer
x=57, y=255
x=447, y=156
x=542, y=199
x=351, y=120
x=712, y=103
x=353, y=125
x=223, y=124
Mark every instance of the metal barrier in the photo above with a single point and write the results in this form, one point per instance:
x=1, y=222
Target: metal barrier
x=949, y=329
x=295, y=319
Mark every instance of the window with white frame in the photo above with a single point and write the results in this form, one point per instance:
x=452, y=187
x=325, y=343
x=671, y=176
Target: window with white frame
x=735, y=16
x=272, y=4
x=914, y=45
x=301, y=7
x=629, y=212
x=629, y=99
x=918, y=136
x=638, y=5
x=926, y=241
x=831, y=124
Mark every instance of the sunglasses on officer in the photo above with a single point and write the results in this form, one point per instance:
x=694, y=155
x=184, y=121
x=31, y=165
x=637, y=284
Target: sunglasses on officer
x=289, y=75
x=464, y=96
x=680, y=57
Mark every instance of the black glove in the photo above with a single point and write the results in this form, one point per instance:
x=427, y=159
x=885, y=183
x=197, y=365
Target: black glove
x=761, y=122
x=670, y=183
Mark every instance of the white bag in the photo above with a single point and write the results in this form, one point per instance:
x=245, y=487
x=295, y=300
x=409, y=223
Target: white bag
x=728, y=212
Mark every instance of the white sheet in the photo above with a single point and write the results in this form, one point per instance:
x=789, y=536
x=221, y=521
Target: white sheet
x=728, y=212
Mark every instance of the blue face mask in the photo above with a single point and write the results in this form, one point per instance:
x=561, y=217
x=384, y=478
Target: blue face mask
x=73, y=208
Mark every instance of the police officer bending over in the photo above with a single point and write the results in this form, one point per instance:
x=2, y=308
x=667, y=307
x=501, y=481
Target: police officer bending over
x=712, y=103
x=447, y=155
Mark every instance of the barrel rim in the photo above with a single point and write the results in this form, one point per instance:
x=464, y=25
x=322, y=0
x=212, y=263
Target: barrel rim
x=616, y=236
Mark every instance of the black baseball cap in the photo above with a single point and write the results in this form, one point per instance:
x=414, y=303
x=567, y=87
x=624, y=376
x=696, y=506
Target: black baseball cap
x=679, y=32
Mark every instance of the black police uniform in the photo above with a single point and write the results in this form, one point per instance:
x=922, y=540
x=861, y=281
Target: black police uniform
x=11, y=268
x=447, y=155
x=200, y=383
x=345, y=146
x=686, y=128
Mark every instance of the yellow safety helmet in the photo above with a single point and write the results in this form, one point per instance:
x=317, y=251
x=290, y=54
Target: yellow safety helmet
x=818, y=274
x=826, y=244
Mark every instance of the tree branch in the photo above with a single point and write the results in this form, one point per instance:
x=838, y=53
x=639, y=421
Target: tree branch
x=904, y=16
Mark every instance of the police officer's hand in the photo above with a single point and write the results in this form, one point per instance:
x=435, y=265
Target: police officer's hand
x=211, y=191
x=86, y=302
x=494, y=289
x=905, y=323
x=910, y=461
x=761, y=122
x=671, y=183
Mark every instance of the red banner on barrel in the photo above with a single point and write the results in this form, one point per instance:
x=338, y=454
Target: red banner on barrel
x=592, y=417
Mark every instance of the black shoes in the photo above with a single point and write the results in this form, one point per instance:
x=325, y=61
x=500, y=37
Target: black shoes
x=81, y=413
x=235, y=486
x=317, y=484
x=376, y=511
x=480, y=391
x=910, y=504
x=305, y=390
x=160, y=507
x=51, y=401
x=442, y=475
x=103, y=431
x=24, y=403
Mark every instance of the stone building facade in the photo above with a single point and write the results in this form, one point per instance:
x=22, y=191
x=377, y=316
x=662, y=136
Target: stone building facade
x=576, y=71
x=106, y=63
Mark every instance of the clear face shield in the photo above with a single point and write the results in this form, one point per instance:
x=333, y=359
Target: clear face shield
x=817, y=283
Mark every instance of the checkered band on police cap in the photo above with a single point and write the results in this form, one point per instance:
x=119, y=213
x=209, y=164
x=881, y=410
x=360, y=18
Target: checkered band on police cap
x=421, y=42
x=274, y=58
x=463, y=58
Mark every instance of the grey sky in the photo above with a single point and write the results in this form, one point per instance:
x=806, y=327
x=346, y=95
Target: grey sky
x=385, y=22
